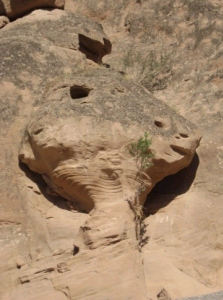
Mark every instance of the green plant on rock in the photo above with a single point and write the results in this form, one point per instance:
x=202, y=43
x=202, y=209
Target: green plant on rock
x=140, y=150
x=143, y=155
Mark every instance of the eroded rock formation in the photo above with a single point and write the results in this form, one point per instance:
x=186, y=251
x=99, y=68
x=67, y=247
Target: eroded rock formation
x=80, y=143
x=17, y=8
x=68, y=230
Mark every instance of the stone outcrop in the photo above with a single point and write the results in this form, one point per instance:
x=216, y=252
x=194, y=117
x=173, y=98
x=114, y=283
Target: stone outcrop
x=68, y=225
x=81, y=34
x=3, y=21
x=174, y=49
x=17, y=8
x=80, y=140
x=108, y=107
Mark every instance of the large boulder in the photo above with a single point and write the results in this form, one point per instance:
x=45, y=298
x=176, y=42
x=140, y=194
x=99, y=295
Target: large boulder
x=14, y=8
x=80, y=140
x=62, y=29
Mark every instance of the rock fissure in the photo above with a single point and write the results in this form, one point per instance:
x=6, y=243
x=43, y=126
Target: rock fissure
x=94, y=50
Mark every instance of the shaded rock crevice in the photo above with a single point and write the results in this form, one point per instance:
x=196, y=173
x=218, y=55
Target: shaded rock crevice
x=18, y=8
x=171, y=187
x=93, y=49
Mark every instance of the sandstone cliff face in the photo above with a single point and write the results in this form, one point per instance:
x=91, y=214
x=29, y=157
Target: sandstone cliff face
x=175, y=50
x=68, y=228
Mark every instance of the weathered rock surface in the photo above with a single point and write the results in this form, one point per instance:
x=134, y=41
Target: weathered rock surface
x=81, y=34
x=3, y=21
x=105, y=104
x=80, y=139
x=30, y=231
x=213, y=296
x=16, y=8
x=90, y=165
x=175, y=50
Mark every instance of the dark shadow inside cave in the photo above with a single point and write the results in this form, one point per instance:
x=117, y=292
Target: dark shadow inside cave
x=93, y=49
x=170, y=187
x=39, y=181
x=77, y=92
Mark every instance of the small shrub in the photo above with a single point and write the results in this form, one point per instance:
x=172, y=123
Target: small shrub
x=152, y=69
x=142, y=153
x=140, y=150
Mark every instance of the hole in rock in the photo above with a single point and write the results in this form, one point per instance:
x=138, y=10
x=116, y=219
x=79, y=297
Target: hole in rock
x=159, y=124
x=170, y=187
x=77, y=92
x=106, y=65
x=184, y=135
x=76, y=249
x=38, y=131
x=179, y=150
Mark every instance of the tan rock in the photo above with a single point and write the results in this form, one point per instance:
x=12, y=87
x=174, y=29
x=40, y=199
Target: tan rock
x=80, y=139
x=3, y=21
x=31, y=227
x=82, y=147
x=175, y=50
x=49, y=249
x=81, y=34
x=14, y=9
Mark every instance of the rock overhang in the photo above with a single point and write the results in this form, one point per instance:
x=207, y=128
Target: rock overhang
x=81, y=145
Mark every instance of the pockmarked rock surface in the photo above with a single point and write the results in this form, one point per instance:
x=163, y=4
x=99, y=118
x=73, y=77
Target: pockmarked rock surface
x=80, y=139
x=46, y=240
x=174, y=49
x=52, y=69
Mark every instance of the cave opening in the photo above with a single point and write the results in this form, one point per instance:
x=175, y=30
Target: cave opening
x=51, y=195
x=170, y=187
x=55, y=199
x=78, y=92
